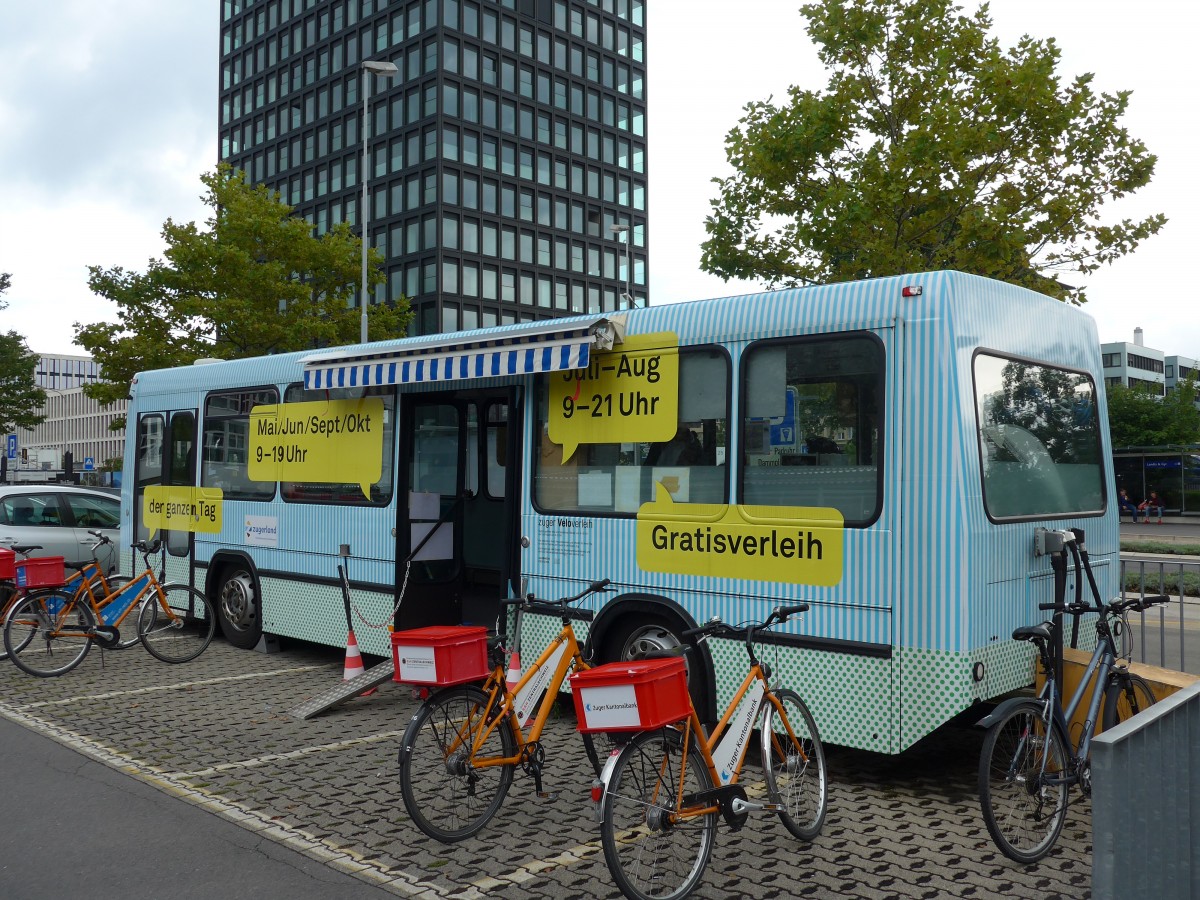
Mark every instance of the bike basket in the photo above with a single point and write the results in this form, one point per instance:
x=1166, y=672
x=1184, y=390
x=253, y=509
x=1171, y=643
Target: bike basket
x=631, y=696
x=440, y=654
x=46, y=571
x=8, y=564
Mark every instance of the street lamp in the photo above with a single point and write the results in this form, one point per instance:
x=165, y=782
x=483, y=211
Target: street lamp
x=628, y=295
x=370, y=67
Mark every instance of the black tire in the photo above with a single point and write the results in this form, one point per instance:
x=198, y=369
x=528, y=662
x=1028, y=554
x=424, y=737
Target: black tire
x=47, y=633
x=649, y=851
x=794, y=765
x=239, y=607
x=447, y=797
x=1022, y=783
x=8, y=599
x=182, y=633
x=1125, y=696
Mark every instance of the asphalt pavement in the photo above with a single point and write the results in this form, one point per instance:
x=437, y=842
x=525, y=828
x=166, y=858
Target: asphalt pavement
x=170, y=779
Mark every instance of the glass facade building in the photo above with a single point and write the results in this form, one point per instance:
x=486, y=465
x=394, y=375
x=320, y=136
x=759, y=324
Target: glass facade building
x=506, y=157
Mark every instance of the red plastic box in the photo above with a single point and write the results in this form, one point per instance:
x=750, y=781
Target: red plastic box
x=440, y=654
x=8, y=564
x=46, y=571
x=631, y=696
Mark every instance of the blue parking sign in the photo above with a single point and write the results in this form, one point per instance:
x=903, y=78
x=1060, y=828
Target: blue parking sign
x=12, y=447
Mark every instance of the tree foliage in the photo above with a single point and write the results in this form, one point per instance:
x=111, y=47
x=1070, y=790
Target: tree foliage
x=20, y=396
x=253, y=281
x=1138, y=418
x=931, y=148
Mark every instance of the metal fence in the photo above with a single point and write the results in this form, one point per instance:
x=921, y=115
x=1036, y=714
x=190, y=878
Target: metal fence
x=1167, y=635
x=1146, y=803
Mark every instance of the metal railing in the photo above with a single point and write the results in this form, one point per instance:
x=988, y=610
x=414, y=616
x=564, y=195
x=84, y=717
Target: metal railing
x=1168, y=635
x=1145, y=790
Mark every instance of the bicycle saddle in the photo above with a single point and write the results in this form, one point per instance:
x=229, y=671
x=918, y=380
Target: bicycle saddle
x=1033, y=632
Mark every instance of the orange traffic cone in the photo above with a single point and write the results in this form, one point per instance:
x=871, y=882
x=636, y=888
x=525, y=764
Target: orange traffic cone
x=354, y=663
x=513, y=675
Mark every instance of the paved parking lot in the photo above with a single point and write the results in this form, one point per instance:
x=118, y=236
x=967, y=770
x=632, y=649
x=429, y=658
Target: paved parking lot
x=217, y=733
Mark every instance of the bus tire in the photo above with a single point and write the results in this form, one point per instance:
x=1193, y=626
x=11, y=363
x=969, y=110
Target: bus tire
x=238, y=607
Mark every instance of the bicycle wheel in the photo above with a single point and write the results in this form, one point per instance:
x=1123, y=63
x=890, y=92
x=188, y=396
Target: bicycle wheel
x=177, y=624
x=1022, y=783
x=8, y=599
x=651, y=851
x=445, y=791
x=794, y=765
x=47, y=633
x=1125, y=696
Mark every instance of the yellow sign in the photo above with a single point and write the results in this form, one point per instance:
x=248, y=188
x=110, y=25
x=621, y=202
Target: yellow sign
x=322, y=440
x=623, y=396
x=789, y=544
x=177, y=508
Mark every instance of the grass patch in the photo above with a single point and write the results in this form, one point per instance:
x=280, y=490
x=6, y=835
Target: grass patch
x=1172, y=583
x=1160, y=547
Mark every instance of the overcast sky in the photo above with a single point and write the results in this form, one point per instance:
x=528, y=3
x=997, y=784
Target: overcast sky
x=108, y=116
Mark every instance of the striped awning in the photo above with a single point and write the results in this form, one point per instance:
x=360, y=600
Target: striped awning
x=554, y=346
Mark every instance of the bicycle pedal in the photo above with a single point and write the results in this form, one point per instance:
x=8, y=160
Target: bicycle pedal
x=548, y=796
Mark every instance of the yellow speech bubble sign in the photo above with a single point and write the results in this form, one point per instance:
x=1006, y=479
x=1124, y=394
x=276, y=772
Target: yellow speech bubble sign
x=623, y=396
x=789, y=544
x=318, y=441
x=176, y=508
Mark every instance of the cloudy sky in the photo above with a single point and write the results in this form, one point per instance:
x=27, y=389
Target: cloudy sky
x=108, y=115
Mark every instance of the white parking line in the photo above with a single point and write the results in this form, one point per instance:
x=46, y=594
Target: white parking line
x=341, y=858
x=175, y=686
x=291, y=754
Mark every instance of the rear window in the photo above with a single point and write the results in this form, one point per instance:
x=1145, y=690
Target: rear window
x=1039, y=439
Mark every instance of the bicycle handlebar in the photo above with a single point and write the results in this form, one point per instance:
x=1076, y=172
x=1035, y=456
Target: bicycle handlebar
x=715, y=626
x=554, y=607
x=1138, y=604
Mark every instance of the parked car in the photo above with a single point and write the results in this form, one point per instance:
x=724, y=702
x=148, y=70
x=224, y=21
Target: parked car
x=57, y=518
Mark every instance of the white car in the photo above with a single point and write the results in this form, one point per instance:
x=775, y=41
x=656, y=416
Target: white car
x=57, y=518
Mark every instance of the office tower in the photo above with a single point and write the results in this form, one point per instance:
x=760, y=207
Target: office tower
x=506, y=154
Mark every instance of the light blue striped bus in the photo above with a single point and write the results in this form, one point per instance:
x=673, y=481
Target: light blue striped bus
x=883, y=450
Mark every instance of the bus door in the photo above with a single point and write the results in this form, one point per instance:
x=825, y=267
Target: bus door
x=460, y=519
x=166, y=455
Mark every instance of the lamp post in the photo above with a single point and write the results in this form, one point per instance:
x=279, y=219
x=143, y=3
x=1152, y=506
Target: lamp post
x=370, y=67
x=628, y=295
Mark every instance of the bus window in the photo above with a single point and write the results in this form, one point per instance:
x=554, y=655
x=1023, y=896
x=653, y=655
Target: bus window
x=149, y=463
x=813, y=429
x=1039, y=439
x=620, y=477
x=347, y=493
x=182, y=472
x=227, y=443
x=496, y=431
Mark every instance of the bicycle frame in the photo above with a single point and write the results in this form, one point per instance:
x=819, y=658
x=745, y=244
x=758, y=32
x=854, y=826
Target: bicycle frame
x=562, y=653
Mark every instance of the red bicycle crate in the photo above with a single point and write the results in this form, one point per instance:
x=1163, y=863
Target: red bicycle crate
x=46, y=571
x=440, y=654
x=631, y=696
x=8, y=564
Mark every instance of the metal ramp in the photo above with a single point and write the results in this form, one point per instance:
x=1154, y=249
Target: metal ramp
x=346, y=690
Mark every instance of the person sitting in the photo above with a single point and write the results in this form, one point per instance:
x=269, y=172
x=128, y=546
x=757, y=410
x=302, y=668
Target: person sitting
x=1127, y=505
x=1151, y=506
x=682, y=450
x=21, y=512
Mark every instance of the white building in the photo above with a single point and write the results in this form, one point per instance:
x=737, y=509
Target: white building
x=74, y=423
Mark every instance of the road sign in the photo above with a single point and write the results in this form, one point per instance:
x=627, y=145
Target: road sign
x=11, y=452
x=89, y=463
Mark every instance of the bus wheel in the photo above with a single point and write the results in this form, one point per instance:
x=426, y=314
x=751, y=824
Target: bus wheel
x=237, y=608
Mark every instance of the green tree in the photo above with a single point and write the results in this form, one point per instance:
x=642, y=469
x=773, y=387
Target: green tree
x=253, y=281
x=20, y=396
x=1138, y=418
x=931, y=148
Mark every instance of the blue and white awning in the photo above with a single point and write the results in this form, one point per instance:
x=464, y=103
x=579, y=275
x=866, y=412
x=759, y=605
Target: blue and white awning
x=554, y=346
